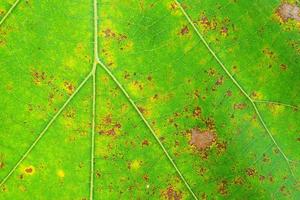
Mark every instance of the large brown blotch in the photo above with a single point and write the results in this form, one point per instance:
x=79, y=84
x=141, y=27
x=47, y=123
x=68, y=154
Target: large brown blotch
x=202, y=139
x=288, y=11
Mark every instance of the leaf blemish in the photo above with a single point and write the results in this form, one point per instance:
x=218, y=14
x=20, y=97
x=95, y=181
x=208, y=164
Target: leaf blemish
x=202, y=139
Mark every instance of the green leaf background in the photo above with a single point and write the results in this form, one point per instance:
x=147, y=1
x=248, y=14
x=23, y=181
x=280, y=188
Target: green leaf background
x=100, y=99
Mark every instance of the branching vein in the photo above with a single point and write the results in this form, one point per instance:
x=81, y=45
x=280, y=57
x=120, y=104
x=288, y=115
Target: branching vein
x=236, y=83
x=149, y=127
x=45, y=130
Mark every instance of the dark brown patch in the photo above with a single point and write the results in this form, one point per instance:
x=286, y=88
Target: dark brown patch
x=288, y=11
x=202, y=139
x=251, y=172
x=69, y=87
x=29, y=170
x=184, y=30
x=171, y=194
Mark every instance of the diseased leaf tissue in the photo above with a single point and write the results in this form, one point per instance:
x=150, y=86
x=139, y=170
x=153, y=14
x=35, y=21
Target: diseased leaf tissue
x=147, y=99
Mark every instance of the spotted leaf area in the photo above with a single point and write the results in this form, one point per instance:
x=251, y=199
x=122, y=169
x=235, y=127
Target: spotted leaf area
x=147, y=99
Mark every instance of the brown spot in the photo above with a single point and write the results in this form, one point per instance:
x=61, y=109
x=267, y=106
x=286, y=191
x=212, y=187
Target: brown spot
x=210, y=123
x=69, y=87
x=202, y=139
x=283, y=67
x=220, y=81
x=222, y=187
x=288, y=11
x=2, y=165
x=221, y=147
x=239, y=106
x=171, y=194
x=251, y=172
x=29, y=170
x=197, y=112
x=108, y=33
x=184, y=30
x=145, y=143
x=229, y=93
x=224, y=31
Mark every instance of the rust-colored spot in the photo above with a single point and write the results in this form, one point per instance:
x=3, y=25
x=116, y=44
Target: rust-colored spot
x=288, y=11
x=197, y=112
x=184, y=30
x=2, y=165
x=29, y=170
x=145, y=143
x=202, y=139
x=224, y=31
x=251, y=172
x=69, y=87
x=171, y=194
x=240, y=106
x=222, y=187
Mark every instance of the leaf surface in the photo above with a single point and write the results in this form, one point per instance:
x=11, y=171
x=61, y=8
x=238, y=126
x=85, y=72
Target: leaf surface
x=145, y=99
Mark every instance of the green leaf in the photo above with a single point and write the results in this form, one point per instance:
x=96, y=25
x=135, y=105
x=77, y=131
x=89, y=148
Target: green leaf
x=144, y=99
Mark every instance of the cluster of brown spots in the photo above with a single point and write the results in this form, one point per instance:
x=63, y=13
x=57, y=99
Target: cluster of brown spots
x=197, y=112
x=251, y=172
x=211, y=72
x=184, y=30
x=108, y=33
x=202, y=139
x=142, y=109
x=284, y=190
x=38, y=76
x=210, y=123
x=108, y=122
x=288, y=11
x=221, y=147
x=171, y=194
x=222, y=187
x=239, y=106
x=224, y=31
x=269, y=53
x=111, y=131
x=139, y=85
x=206, y=23
x=173, y=6
x=202, y=171
x=69, y=87
x=70, y=113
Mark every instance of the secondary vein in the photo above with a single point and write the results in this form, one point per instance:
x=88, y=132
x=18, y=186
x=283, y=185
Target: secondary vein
x=149, y=127
x=9, y=12
x=236, y=83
